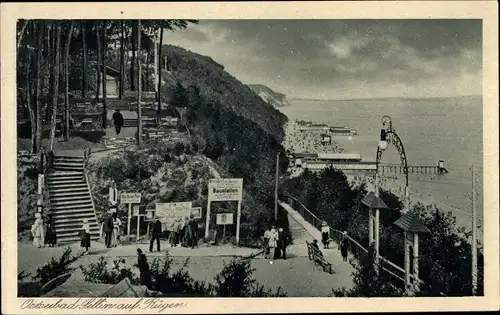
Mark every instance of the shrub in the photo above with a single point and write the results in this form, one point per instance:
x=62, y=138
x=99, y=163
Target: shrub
x=99, y=273
x=55, y=268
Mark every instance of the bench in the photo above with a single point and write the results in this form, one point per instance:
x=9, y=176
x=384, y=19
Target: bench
x=316, y=255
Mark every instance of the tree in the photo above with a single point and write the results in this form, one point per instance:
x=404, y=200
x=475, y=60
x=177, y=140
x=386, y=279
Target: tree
x=66, y=93
x=84, y=58
x=139, y=90
x=122, y=57
x=39, y=126
x=132, y=62
x=104, y=96
x=55, y=84
x=159, y=72
x=98, y=70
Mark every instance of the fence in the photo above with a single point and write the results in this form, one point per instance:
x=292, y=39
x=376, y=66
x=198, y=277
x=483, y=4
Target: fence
x=393, y=272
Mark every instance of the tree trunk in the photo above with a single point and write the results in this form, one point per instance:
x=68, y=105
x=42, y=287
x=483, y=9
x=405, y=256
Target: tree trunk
x=21, y=33
x=66, y=82
x=50, y=66
x=159, y=73
x=146, y=79
x=104, y=96
x=55, y=87
x=84, y=60
x=139, y=90
x=98, y=68
x=29, y=102
x=132, y=62
x=38, y=103
x=122, y=60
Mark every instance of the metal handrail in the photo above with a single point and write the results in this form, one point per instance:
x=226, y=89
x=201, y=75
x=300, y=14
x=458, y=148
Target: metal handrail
x=303, y=211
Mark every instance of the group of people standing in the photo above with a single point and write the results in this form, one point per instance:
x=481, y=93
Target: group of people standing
x=180, y=232
x=43, y=234
x=275, y=243
x=111, y=229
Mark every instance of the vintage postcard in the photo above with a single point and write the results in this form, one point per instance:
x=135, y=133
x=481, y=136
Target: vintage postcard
x=182, y=158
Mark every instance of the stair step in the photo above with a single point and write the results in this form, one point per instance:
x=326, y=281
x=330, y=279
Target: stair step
x=70, y=183
x=75, y=226
x=65, y=231
x=72, y=210
x=74, y=199
x=70, y=202
x=65, y=178
x=64, y=174
x=66, y=157
x=69, y=192
x=66, y=167
x=65, y=219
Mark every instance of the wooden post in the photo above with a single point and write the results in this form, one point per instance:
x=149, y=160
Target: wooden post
x=407, y=260
x=474, y=234
x=129, y=219
x=138, y=226
x=415, y=260
x=238, y=218
x=207, y=224
x=377, y=232
x=370, y=226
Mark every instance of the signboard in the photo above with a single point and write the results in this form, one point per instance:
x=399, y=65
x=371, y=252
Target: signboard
x=139, y=210
x=196, y=212
x=225, y=189
x=130, y=198
x=150, y=214
x=173, y=209
x=224, y=218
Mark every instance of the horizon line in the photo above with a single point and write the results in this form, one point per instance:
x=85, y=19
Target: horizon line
x=381, y=98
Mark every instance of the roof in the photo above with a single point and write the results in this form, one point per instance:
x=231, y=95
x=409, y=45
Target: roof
x=409, y=222
x=304, y=154
x=111, y=71
x=339, y=156
x=372, y=201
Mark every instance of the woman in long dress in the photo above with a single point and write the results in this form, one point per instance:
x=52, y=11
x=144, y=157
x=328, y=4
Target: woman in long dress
x=38, y=231
x=85, y=235
x=117, y=223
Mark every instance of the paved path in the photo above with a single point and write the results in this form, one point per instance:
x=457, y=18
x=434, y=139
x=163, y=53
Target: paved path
x=303, y=230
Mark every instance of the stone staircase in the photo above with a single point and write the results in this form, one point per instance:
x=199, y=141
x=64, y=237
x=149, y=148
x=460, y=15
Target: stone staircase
x=70, y=199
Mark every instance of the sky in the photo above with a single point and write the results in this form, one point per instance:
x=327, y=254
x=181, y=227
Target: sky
x=345, y=59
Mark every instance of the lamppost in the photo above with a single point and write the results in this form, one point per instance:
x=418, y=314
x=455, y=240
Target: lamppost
x=389, y=135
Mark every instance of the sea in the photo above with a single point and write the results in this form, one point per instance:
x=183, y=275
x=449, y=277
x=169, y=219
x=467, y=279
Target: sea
x=431, y=129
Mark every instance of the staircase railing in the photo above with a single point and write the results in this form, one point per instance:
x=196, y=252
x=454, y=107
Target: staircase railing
x=86, y=155
x=356, y=249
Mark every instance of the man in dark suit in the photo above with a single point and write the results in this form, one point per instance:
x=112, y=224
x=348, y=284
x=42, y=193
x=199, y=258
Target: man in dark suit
x=282, y=243
x=155, y=235
x=143, y=266
x=108, y=228
x=117, y=121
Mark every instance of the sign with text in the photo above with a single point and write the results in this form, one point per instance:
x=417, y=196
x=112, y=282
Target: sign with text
x=172, y=212
x=196, y=212
x=225, y=189
x=224, y=218
x=130, y=198
x=150, y=214
x=139, y=210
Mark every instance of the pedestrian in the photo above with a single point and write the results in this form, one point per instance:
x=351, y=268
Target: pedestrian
x=266, y=243
x=186, y=232
x=344, y=246
x=273, y=242
x=178, y=229
x=85, y=235
x=38, y=231
x=193, y=227
x=108, y=226
x=142, y=264
x=282, y=243
x=117, y=121
x=117, y=224
x=155, y=235
x=50, y=235
x=325, y=234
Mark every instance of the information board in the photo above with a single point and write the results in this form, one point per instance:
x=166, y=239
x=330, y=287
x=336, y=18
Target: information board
x=196, y=212
x=139, y=210
x=224, y=218
x=130, y=198
x=225, y=189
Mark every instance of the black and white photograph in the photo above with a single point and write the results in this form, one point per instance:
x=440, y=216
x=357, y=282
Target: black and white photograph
x=256, y=157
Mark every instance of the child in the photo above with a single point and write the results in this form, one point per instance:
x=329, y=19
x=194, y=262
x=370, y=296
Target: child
x=85, y=235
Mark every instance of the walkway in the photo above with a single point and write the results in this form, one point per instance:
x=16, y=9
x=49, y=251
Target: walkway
x=302, y=231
